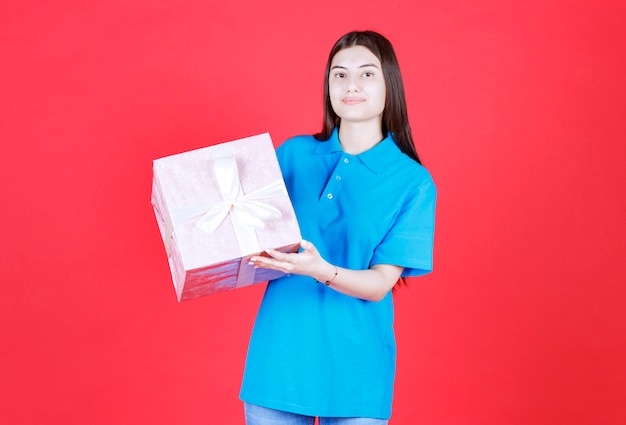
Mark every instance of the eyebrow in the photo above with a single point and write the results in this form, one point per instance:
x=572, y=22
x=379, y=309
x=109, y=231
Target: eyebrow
x=362, y=66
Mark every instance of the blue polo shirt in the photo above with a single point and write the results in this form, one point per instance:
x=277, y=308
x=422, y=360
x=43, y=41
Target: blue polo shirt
x=313, y=350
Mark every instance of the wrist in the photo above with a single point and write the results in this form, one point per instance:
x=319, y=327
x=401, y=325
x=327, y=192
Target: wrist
x=329, y=276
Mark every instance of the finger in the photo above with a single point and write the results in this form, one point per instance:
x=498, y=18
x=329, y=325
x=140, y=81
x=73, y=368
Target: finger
x=281, y=256
x=260, y=261
x=269, y=263
x=308, y=246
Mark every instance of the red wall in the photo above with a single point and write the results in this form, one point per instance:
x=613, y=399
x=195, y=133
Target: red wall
x=518, y=110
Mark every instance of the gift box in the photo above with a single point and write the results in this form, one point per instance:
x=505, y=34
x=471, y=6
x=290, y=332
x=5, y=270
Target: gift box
x=216, y=207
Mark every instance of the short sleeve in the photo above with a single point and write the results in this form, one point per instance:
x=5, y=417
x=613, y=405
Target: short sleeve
x=409, y=242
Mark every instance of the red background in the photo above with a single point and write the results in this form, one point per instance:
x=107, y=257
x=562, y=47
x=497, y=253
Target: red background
x=518, y=111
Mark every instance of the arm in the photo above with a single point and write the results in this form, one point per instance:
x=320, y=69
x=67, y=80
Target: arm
x=371, y=284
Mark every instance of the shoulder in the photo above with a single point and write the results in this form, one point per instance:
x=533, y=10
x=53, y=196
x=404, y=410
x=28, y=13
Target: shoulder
x=293, y=152
x=423, y=176
x=298, y=143
x=296, y=149
x=413, y=173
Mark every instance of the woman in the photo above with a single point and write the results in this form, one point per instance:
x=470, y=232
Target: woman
x=323, y=342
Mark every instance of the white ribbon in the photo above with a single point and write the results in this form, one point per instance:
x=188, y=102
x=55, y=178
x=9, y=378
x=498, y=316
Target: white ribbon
x=247, y=211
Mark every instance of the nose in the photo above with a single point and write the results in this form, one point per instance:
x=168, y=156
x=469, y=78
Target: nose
x=353, y=85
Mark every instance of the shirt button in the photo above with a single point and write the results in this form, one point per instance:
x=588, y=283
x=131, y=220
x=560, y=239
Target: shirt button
x=338, y=178
x=346, y=160
x=329, y=196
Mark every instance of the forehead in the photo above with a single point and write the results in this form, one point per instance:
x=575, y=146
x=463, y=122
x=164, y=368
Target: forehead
x=354, y=56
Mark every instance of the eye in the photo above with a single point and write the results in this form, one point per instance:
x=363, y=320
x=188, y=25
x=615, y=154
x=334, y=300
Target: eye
x=368, y=74
x=339, y=74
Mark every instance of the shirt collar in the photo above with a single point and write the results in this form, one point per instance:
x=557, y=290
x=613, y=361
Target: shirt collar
x=378, y=158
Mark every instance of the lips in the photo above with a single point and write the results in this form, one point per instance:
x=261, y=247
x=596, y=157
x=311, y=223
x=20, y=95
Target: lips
x=352, y=100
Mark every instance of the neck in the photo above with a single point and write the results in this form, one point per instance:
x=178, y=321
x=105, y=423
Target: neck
x=359, y=137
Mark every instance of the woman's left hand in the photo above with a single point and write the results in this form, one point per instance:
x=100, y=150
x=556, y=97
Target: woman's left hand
x=307, y=262
x=371, y=284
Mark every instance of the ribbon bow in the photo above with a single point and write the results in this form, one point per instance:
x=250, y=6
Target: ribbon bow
x=247, y=211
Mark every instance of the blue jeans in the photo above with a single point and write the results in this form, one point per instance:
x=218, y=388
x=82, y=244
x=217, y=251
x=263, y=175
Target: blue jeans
x=257, y=415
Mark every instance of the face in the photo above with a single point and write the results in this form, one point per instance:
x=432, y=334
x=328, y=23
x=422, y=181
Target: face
x=356, y=85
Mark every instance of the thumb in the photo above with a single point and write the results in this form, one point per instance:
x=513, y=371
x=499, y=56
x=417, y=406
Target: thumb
x=308, y=247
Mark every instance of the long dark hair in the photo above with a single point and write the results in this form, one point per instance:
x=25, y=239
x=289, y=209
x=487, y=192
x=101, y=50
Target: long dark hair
x=395, y=117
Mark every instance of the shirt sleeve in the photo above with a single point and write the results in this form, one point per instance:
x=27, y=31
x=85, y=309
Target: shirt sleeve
x=409, y=242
